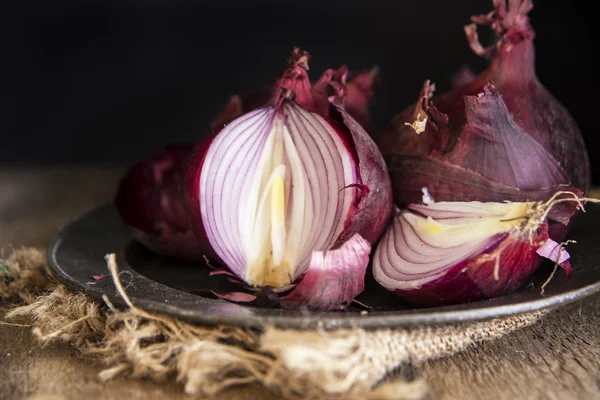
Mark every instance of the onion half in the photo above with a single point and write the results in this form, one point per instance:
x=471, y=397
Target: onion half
x=284, y=181
x=451, y=252
x=264, y=180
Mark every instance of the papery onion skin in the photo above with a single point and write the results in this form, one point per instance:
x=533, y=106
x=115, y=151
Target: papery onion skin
x=531, y=106
x=488, y=145
x=372, y=213
x=360, y=93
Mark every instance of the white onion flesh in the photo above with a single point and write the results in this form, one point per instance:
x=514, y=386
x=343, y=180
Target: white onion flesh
x=425, y=241
x=270, y=192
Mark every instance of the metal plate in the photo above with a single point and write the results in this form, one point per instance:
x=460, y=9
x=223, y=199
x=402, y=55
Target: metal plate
x=163, y=285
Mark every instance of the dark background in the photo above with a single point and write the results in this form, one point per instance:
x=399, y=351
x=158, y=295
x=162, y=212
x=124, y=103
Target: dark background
x=114, y=81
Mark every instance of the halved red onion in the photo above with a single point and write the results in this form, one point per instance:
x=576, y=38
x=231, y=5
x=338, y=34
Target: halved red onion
x=449, y=252
x=284, y=181
x=265, y=179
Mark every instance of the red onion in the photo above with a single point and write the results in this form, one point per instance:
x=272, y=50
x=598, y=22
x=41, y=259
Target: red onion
x=282, y=182
x=149, y=201
x=451, y=252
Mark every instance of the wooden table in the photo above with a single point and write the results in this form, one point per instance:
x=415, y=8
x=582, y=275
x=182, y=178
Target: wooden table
x=558, y=358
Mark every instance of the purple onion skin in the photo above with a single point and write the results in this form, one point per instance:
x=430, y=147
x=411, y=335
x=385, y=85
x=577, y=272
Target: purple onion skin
x=360, y=91
x=335, y=286
x=473, y=279
x=370, y=214
x=531, y=106
x=149, y=200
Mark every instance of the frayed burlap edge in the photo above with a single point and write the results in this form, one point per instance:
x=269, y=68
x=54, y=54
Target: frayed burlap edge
x=348, y=363
x=24, y=274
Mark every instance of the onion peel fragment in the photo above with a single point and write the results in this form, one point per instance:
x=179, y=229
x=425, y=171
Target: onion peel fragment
x=333, y=279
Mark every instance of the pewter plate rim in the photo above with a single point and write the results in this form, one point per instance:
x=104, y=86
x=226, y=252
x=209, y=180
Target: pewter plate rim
x=77, y=253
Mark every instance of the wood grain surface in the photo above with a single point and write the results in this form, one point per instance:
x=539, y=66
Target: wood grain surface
x=558, y=358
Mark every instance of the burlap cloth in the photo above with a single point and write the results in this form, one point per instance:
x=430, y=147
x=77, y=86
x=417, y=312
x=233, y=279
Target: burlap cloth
x=70, y=347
